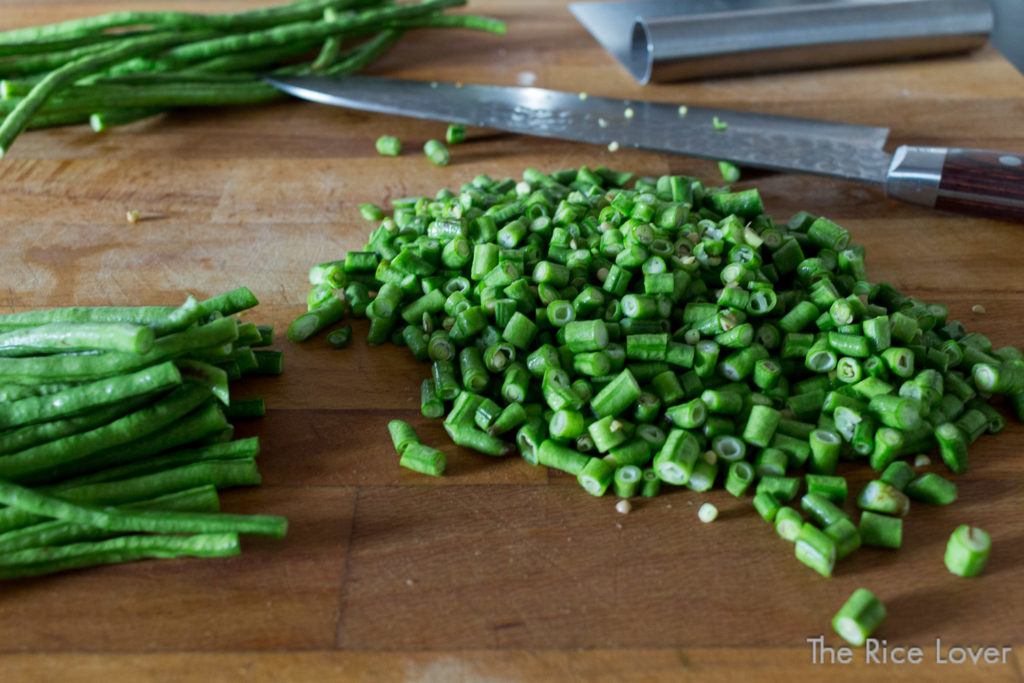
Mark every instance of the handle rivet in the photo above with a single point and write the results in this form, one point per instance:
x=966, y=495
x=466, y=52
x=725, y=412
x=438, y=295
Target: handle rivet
x=1008, y=160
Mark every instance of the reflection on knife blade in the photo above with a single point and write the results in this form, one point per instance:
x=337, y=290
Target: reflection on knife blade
x=971, y=181
x=765, y=141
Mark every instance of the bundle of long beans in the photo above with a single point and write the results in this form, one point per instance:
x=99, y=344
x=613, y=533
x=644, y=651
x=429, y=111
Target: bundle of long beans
x=114, y=433
x=120, y=67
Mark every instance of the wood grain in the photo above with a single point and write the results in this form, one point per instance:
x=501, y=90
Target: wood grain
x=497, y=571
x=983, y=182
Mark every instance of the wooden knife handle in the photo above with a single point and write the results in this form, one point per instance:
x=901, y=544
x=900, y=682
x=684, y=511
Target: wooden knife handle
x=969, y=181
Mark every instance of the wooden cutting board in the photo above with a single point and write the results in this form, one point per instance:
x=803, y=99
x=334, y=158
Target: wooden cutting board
x=498, y=571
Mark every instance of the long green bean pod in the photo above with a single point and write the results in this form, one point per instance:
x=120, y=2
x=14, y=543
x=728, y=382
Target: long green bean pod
x=38, y=562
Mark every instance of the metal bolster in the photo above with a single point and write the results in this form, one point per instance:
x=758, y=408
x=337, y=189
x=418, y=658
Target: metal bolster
x=915, y=173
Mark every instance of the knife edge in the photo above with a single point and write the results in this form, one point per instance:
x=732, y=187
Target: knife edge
x=780, y=143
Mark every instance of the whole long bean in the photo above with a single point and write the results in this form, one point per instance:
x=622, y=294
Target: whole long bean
x=16, y=392
x=248, y=62
x=71, y=41
x=221, y=474
x=236, y=449
x=175, y=405
x=58, y=337
x=204, y=422
x=21, y=438
x=166, y=77
x=295, y=11
x=365, y=54
x=154, y=521
x=86, y=397
x=49, y=560
x=41, y=63
x=121, y=66
x=58, y=532
x=64, y=75
x=331, y=46
x=455, y=21
x=89, y=366
x=140, y=315
x=284, y=34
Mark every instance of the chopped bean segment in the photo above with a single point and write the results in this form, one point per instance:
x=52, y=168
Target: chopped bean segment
x=967, y=551
x=859, y=616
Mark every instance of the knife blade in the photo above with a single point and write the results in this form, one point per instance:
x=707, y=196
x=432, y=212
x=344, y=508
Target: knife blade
x=970, y=181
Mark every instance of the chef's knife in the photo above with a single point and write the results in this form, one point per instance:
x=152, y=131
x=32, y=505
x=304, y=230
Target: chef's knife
x=964, y=180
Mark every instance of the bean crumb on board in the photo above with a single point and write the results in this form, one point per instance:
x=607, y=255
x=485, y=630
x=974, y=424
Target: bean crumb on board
x=707, y=513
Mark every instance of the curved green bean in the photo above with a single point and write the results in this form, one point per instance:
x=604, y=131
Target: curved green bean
x=67, y=74
x=180, y=318
x=221, y=474
x=210, y=376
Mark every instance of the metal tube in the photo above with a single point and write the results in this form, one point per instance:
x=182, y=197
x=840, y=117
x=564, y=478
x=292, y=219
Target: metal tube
x=774, y=37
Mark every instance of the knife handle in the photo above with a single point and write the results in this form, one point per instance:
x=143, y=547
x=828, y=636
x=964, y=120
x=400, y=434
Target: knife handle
x=970, y=181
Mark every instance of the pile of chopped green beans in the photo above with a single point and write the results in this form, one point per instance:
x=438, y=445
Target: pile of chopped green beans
x=121, y=67
x=115, y=432
x=651, y=332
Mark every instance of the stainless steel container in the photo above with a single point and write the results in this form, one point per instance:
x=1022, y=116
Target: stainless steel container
x=666, y=40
